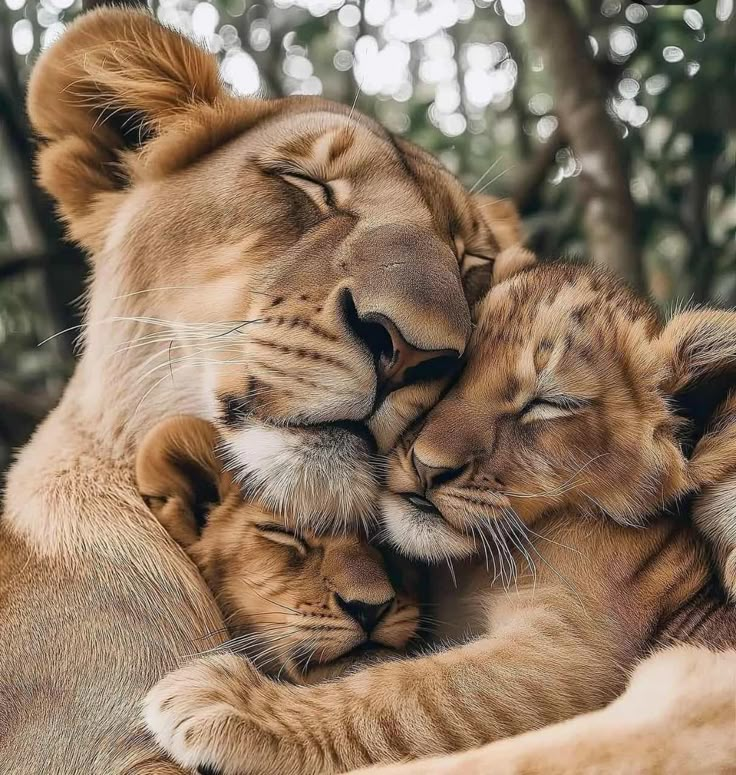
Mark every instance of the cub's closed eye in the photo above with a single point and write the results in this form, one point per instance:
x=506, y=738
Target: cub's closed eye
x=552, y=407
x=278, y=534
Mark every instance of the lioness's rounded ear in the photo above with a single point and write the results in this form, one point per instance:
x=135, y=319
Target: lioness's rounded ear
x=115, y=61
x=179, y=476
x=115, y=81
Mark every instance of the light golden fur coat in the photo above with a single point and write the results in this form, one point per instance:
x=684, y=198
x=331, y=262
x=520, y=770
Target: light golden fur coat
x=557, y=454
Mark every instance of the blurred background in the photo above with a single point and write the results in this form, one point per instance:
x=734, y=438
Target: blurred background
x=611, y=124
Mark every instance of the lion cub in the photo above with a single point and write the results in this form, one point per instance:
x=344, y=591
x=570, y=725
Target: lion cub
x=302, y=606
x=543, y=474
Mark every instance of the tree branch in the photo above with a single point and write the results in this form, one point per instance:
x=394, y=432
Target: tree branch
x=580, y=97
x=526, y=190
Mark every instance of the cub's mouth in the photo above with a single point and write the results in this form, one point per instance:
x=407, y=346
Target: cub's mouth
x=325, y=475
x=422, y=505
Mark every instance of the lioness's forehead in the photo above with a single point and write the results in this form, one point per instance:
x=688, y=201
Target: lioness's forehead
x=324, y=142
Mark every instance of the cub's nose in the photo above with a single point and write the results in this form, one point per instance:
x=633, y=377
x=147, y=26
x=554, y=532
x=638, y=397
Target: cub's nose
x=367, y=615
x=433, y=475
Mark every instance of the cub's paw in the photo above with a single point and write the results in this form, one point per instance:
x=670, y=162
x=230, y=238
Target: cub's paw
x=199, y=714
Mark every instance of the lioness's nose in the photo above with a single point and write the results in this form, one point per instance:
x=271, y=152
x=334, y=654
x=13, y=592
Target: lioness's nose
x=405, y=300
x=396, y=360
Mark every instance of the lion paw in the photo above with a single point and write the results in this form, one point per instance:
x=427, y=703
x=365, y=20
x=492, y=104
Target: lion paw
x=197, y=713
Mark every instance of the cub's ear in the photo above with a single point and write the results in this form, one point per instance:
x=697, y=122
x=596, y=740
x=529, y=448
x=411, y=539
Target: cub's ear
x=116, y=80
x=696, y=348
x=179, y=476
x=713, y=476
x=698, y=353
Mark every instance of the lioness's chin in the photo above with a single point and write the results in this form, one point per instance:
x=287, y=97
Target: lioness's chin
x=420, y=535
x=324, y=474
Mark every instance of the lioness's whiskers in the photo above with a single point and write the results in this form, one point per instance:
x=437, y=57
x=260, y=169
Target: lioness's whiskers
x=482, y=177
x=154, y=290
x=495, y=178
x=198, y=329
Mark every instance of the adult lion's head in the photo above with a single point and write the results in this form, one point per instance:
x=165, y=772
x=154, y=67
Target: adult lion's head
x=293, y=270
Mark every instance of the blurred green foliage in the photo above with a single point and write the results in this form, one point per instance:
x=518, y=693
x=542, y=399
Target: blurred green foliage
x=459, y=77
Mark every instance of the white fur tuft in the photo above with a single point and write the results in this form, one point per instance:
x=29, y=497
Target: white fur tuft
x=425, y=538
x=325, y=476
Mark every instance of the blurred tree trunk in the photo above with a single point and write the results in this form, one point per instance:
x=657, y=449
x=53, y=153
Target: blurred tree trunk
x=63, y=265
x=702, y=259
x=580, y=97
x=527, y=188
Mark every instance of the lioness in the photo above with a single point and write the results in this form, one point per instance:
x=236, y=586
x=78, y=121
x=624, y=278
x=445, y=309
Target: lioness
x=287, y=268
x=556, y=446
x=303, y=606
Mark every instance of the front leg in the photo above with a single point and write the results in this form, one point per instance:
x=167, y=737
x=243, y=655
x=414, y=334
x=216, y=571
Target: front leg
x=219, y=712
x=677, y=716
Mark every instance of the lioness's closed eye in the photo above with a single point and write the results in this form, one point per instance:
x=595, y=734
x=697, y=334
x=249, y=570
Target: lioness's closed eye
x=296, y=602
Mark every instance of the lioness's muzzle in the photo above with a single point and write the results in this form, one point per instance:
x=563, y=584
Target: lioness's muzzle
x=406, y=300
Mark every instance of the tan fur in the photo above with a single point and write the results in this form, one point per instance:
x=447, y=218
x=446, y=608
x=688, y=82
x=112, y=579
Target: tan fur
x=219, y=288
x=285, y=594
x=676, y=717
x=556, y=445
